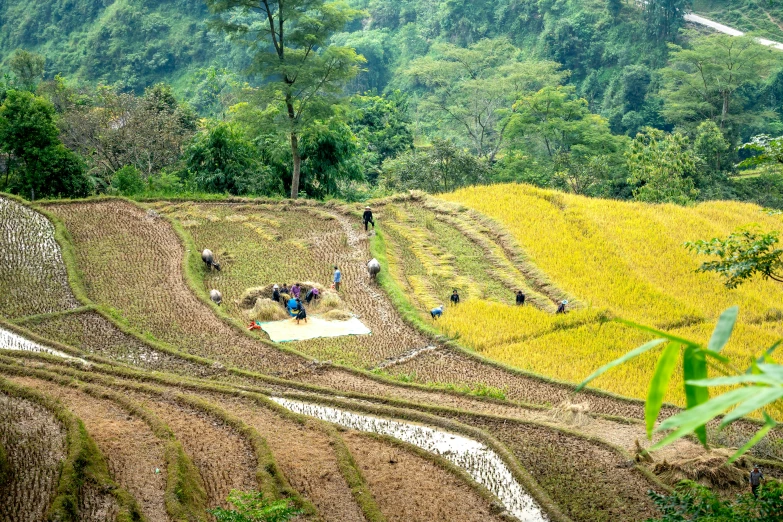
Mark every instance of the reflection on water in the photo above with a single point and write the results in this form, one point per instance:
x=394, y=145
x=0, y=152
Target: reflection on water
x=480, y=462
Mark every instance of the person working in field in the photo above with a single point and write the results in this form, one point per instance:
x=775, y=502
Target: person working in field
x=520, y=298
x=313, y=293
x=436, y=312
x=454, y=297
x=367, y=218
x=296, y=290
x=276, y=294
x=301, y=314
x=293, y=307
x=561, y=309
x=756, y=476
x=337, y=279
x=285, y=290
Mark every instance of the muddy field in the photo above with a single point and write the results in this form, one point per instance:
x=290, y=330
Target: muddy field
x=33, y=279
x=134, y=454
x=34, y=444
x=232, y=437
x=122, y=246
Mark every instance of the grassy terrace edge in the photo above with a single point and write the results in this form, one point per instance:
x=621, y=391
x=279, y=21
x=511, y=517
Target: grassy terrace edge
x=389, y=285
x=83, y=463
x=399, y=410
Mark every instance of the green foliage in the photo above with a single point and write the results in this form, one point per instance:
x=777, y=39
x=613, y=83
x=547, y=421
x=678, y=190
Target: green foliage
x=662, y=166
x=329, y=153
x=759, y=388
x=37, y=164
x=742, y=256
x=554, y=120
x=663, y=18
x=222, y=160
x=26, y=123
x=472, y=91
x=253, y=507
x=128, y=181
x=304, y=74
x=710, y=79
x=767, y=149
x=27, y=68
x=692, y=501
x=112, y=129
x=439, y=168
x=382, y=127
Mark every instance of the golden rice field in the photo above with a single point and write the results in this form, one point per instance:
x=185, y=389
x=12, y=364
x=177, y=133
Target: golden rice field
x=617, y=259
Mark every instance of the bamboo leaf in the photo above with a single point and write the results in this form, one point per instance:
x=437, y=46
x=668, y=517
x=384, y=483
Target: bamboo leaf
x=625, y=358
x=717, y=356
x=762, y=397
x=752, y=378
x=722, y=332
x=659, y=383
x=668, y=336
x=694, y=367
x=709, y=410
x=685, y=422
x=753, y=441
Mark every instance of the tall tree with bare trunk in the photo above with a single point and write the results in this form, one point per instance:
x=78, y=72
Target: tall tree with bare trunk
x=302, y=74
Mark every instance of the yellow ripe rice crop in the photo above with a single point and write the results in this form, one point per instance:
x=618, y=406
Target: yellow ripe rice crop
x=626, y=259
x=501, y=324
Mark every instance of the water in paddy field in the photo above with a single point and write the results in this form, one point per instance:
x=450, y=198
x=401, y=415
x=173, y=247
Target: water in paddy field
x=12, y=341
x=480, y=462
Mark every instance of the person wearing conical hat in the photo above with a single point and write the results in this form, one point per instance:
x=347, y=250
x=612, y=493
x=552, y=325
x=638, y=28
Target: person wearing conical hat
x=367, y=218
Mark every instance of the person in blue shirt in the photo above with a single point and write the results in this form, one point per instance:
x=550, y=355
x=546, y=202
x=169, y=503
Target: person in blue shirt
x=293, y=307
x=436, y=312
x=338, y=278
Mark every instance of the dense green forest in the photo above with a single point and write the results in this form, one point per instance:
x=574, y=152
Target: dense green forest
x=598, y=97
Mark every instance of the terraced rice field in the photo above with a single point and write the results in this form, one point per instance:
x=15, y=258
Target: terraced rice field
x=179, y=403
x=32, y=440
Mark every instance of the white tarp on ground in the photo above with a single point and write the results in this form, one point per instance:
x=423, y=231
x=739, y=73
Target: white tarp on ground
x=288, y=330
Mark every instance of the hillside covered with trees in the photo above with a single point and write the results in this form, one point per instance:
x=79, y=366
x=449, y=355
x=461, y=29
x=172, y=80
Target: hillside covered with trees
x=603, y=98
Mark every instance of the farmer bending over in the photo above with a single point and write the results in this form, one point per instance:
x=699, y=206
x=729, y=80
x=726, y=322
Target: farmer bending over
x=561, y=308
x=367, y=218
x=436, y=312
x=302, y=314
x=313, y=293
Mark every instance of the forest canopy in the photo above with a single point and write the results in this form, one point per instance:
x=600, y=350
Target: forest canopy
x=603, y=98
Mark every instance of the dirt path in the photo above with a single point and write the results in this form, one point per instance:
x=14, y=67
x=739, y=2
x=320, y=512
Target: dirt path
x=410, y=488
x=131, y=450
x=224, y=459
x=34, y=443
x=391, y=336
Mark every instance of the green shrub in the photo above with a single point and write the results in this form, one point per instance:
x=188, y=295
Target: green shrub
x=128, y=181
